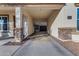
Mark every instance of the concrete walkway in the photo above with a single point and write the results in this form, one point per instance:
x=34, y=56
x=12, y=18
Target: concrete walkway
x=6, y=50
x=42, y=45
x=4, y=41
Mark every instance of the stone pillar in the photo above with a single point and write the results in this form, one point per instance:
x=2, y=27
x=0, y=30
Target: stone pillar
x=11, y=25
x=18, y=29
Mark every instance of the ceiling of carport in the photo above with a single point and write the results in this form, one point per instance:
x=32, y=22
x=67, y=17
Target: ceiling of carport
x=42, y=11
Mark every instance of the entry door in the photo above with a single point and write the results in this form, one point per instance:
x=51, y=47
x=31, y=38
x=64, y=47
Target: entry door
x=3, y=23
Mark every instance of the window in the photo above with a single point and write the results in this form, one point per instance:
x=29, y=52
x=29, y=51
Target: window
x=78, y=19
x=3, y=23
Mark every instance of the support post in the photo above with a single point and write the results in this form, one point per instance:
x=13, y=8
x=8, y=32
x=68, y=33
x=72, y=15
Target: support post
x=18, y=29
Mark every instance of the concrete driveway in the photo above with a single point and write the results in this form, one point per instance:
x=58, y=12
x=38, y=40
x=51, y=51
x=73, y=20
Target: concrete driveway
x=42, y=45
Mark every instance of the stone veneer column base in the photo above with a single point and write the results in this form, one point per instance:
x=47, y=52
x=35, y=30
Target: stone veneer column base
x=18, y=35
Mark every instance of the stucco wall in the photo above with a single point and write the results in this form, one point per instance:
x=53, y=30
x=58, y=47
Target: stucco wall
x=30, y=23
x=51, y=19
x=61, y=19
x=30, y=26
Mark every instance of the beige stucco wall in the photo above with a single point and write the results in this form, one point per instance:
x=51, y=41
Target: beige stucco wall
x=51, y=20
x=62, y=21
x=40, y=22
x=30, y=23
